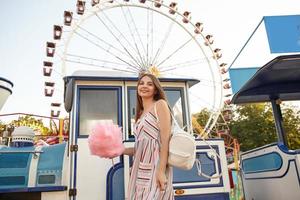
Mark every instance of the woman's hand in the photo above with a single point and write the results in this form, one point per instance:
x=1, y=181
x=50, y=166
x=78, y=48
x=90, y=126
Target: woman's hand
x=161, y=180
x=129, y=151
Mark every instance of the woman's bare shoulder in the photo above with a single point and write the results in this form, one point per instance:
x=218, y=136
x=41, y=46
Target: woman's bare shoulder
x=162, y=103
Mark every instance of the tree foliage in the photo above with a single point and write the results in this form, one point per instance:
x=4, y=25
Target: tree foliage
x=253, y=125
x=291, y=121
x=202, y=117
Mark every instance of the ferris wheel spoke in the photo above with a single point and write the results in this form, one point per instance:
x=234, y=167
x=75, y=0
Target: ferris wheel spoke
x=106, y=50
x=132, y=34
x=166, y=36
x=184, y=64
x=118, y=40
x=203, y=81
x=172, y=74
x=99, y=60
x=133, y=38
x=210, y=81
x=174, y=52
x=58, y=73
x=149, y=23
x=92, y=60
x=100, y=66
x=105, y=42
x=208, y=85
x=210, y=107
x=151, y=36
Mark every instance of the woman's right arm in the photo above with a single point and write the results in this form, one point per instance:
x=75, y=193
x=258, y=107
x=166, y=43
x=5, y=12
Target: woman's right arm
x=129, y=151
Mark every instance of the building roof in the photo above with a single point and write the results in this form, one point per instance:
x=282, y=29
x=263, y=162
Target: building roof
x=278, y=79
x=121, y=76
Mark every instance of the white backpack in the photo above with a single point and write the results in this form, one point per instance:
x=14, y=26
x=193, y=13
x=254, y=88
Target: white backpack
x=182, y=146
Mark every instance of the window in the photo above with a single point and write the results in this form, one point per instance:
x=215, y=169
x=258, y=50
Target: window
x=98, y=105
x=175, y=99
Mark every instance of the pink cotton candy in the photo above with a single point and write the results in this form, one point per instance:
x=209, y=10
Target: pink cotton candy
x=106, y=141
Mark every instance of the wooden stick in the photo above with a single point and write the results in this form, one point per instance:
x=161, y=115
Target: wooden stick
x=113, y=163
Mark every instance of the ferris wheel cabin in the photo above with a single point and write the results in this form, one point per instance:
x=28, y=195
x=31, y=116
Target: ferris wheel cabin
x=97, y=97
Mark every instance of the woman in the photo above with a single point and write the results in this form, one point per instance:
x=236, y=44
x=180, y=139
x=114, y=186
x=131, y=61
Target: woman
x=151, y=177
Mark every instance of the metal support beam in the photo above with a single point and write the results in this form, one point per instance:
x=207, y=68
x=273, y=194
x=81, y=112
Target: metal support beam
x=279, y=122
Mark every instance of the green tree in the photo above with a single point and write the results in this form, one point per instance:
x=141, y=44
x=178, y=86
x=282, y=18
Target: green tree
x=291, y=124
x=254, y=125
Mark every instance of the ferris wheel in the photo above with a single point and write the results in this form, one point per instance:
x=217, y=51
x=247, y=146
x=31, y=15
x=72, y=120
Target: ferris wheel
x=133, y=36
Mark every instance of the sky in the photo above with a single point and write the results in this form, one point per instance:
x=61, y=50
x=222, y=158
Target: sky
x=26, y=26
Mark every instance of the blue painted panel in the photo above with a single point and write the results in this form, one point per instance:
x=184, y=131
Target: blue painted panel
x=8, y=181
x=15, y=160
x=49, y=169
x=239, y=76
x=283, y=33
x=52, y=157
x=217, y=196
x=115, y=183
x=207, y=166
x=263, y=163
x=34, y=189
x=14, y=167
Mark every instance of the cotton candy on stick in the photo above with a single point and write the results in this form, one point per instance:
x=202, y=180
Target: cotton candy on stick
x=105, y=141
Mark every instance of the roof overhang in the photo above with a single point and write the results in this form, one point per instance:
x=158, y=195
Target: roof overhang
x=278, y=79
x=113, y=76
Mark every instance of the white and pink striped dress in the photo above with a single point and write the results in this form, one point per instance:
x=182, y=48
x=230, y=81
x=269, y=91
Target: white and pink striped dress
x=142, y=183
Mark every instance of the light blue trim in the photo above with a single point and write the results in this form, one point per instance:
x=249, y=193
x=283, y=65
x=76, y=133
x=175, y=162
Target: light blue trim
x=285, y=173
x=114, y=189
x=263, y=163
x=283, y=33
x=14, y=167
x=280, y=145
x=239, y=76
x=50, y=164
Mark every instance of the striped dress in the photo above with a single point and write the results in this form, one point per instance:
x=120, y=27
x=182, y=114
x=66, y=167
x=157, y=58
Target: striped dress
x=142, y=183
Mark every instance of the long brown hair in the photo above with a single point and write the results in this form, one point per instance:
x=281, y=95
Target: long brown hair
x=158, y=94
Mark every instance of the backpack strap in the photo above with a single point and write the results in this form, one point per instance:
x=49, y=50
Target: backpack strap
x=173, y=120
x=155, y=113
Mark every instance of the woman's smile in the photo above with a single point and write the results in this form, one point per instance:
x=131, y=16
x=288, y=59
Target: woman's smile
x=146, y=87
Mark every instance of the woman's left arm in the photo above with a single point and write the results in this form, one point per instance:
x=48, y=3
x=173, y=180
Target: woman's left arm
x=163, y=114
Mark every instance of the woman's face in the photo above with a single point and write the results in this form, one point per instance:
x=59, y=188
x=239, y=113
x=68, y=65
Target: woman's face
x=146, y=88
